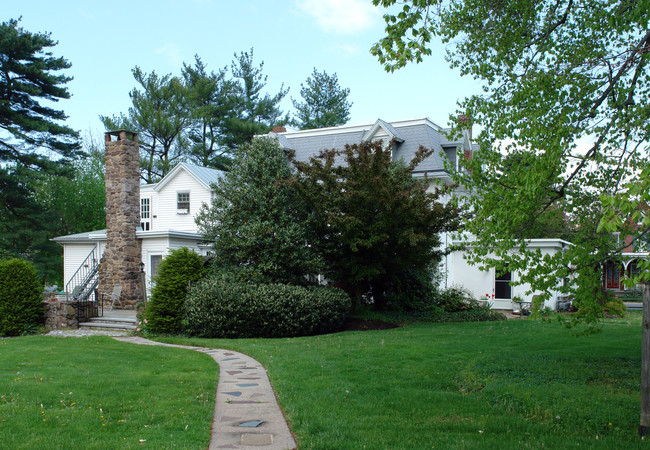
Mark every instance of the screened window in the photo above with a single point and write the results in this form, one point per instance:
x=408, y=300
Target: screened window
x=145, y=214
x=183, y=202
x=502, y=287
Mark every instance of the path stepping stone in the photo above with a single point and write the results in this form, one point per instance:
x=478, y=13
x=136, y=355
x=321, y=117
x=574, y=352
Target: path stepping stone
x=252, y=423
x=229, y=415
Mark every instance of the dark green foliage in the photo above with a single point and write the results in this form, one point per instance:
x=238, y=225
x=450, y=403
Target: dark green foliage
x=30, y=83
x=259, y=226
x=254, y=112
x=21, y=302
x=413, y=291
x=373, y=220
x=324, y=103
x=180, y=268
x=211, y=99
x=219, y=308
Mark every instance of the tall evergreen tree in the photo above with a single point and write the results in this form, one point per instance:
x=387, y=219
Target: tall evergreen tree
x=211, y=102
x=30, y=131
x=324, y=102
x=160, y=115
x=256, y=112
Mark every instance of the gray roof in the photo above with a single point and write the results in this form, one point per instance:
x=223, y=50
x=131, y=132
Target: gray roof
x=414, y=133
x=88, y=236
x=205, y=174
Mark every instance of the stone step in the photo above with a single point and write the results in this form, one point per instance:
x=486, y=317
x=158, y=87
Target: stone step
x=116, y=319
x=108, y=325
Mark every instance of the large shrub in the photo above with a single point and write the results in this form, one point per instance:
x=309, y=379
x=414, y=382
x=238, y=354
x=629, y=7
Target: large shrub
x=219, y=308
x=259, y=226
x=180, y=268
x=21, y=307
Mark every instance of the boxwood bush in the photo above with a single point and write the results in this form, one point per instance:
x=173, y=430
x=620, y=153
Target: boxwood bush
x=220, y=308
x=21, y=299
x=165, y=310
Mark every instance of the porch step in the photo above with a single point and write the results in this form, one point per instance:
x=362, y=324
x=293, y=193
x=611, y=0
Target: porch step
x=110, y=323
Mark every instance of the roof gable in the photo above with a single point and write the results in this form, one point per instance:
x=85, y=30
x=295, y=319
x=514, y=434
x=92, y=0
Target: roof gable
x=205, y=176
x=383, y=130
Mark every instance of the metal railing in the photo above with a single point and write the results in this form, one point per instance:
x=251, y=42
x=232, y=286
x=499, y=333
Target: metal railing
x=82, y=287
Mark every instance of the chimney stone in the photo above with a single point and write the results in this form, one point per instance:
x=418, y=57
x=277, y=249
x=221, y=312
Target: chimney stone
x=121, y=260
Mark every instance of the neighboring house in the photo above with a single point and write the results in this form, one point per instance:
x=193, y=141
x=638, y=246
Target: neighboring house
x=167, y=211
x=615, y=272
x=406, y=137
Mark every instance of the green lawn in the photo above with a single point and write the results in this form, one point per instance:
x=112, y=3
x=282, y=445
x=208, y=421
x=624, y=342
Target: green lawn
x=99, y=393
x=510, y=384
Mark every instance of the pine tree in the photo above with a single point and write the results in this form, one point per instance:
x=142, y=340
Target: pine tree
x=31, y=79
x=324, y=102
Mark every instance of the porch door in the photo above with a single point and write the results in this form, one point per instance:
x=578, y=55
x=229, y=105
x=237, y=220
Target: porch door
x=612, y=276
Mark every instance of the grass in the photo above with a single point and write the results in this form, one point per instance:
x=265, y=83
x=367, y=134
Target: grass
x=100, y=393
x=508, y=384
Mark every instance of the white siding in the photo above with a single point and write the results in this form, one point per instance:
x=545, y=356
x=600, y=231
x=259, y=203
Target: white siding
x=165, y=206
x=481, y=282
x=73, y=256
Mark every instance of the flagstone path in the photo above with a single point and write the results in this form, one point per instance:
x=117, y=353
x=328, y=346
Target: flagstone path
x=246, y=412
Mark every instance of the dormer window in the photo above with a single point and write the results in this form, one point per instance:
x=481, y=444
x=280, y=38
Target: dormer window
x=183, y=203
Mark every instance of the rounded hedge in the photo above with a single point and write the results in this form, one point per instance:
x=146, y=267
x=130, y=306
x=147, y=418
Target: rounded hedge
x=21, y=300
x=219, y=308
x=165, y=310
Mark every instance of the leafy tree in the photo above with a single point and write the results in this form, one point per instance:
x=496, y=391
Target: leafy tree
x=212, y=103
x=31, y=80
x=77, y=203
x=255, y=113
x=566, y=88
x=324, y=102
x=373, y=220
x=260, y=228
x=159, y=115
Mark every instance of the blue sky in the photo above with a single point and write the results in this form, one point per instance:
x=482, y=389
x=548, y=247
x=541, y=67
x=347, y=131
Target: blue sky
x=104, y=40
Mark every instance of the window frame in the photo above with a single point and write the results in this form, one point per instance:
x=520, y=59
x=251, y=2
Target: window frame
x=503, y=280
x=182, y=204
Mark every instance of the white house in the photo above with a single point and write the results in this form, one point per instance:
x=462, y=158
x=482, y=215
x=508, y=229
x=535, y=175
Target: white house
x=406, y=137
x=167, y=211
x=168, y=208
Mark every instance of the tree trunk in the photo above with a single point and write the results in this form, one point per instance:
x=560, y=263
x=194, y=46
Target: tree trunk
x=644, y=427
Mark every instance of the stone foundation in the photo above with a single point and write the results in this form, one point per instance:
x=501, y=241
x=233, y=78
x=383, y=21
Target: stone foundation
x=60, y=314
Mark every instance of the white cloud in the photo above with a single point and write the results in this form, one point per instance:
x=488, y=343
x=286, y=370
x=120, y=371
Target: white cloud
x=172, y=52
x=341, y=16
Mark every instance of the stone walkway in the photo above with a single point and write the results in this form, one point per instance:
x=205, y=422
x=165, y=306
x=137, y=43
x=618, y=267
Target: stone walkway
x=246, y=412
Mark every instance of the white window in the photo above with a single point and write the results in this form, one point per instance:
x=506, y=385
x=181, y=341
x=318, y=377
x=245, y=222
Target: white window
x=145, y=214
x=183, y=203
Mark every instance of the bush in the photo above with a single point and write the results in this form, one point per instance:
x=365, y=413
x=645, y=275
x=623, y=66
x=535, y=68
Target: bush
x=180, y=268
x=455, y=299
x=606, y=304
x=414, y=291
x=21, y=301
x=220, y=308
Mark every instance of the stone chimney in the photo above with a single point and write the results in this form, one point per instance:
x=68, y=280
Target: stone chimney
x=122, y=255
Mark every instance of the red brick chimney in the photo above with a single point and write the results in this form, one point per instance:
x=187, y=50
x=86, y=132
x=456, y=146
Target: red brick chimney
x=279, y=130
